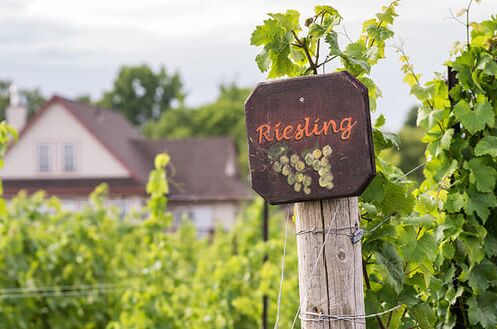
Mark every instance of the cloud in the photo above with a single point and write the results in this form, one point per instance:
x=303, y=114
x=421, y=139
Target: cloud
x=77, y=46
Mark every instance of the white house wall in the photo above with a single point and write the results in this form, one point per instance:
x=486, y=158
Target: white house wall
x=206, y=215
x=57, y=126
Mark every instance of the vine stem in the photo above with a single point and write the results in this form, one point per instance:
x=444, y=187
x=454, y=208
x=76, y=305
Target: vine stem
x=303, y=45
x=379, y=24
x=368, y=286
x=467, y=23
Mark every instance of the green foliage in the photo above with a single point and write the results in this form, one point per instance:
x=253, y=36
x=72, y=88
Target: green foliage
x=141, y=275
x=461, y=182
x=142, y=94
x=223, y=117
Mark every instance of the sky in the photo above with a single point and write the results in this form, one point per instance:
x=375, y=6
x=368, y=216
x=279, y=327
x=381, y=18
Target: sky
x=76, y=47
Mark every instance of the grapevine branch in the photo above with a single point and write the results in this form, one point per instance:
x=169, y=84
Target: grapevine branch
x=303, y=44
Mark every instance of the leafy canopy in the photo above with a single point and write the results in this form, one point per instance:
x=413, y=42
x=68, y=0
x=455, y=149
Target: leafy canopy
x=461, y=174
x=142, y=94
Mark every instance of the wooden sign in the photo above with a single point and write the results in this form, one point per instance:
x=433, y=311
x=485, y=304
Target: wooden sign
x=310, y=138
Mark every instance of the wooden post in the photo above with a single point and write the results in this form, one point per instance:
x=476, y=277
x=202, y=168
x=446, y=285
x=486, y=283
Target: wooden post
x=310, y=143
x=335, y=285
x=265, y=237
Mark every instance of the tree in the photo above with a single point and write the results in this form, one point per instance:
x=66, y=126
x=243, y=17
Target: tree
x=142, y=94
x=31, y=98
x=223, y=117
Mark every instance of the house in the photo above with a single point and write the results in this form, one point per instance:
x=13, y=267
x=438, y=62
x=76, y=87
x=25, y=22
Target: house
x=68, y=148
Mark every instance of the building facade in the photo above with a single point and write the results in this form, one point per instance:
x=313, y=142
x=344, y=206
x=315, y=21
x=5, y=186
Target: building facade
x=68, y=148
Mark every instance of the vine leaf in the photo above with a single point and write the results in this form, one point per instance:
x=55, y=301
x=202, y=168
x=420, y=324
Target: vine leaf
x=487, y=145
x=482, y=310
x=276, y=35
x=424, y=316
x=474, y=120
x=481, y=174
x=481, y=276
x=479, y=203
x=388, y=257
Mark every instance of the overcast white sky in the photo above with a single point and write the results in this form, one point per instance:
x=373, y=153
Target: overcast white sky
x=76, y=47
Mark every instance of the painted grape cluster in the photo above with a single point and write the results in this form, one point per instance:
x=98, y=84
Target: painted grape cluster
x=297, y=168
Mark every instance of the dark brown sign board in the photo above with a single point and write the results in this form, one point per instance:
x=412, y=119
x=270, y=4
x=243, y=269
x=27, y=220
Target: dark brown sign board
x=310, y=138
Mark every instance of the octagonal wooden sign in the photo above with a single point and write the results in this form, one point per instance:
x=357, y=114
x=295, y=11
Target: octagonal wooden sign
x=310, y=138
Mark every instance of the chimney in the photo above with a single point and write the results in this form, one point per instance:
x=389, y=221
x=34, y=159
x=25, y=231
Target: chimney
x=16, y=114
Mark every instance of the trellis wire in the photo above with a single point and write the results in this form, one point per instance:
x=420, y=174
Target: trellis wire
x=352, y=317
x=71, y=293
x=282, y=271
x=314, y=267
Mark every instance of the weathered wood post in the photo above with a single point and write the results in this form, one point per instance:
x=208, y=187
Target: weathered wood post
x=331, y=281
x=310, y=143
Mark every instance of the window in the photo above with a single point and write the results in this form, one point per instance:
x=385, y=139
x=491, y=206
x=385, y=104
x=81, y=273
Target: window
x=44, y=157
x=69, y=157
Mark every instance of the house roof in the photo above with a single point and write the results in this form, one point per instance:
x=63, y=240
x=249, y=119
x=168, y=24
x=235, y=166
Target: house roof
x=199, y=167
x=197, y=171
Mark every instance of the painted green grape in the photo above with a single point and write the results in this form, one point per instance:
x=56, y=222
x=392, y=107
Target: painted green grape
x=284, y=159
x=316, y=154
x=291, y=179
x=307, y=190
x=300, y=166
x=297, y=187
x=327, y=150
x=330, y=185
x=294, y=158
x=307, y=180
x=322, y=171
x=299, y=178
x=325, y=162
x=286, y=170
x=316, y=165
x=323, y=181
x=309, y=159
x=277, y=167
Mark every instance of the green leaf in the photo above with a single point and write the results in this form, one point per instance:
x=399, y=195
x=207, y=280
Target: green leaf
x=276, y=36
x=354, y=58
x=331, y=39
x=263, y=61
x=455, y=202
x=422, y=249
x=479, y=203
x=483, y=310
x=474, y=120
x=424, y=316
x=481, y=276
x=446, y=139
x=397, y=200
x=375, y=190
x=328, y=10
x=380, y=121
x=481, y=174
x=388, y=257
x=487, y=145
x=161, y=160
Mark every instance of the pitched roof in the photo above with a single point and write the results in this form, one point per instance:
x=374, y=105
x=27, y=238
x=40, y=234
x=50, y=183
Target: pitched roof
x=197, y=171
x=200, y=168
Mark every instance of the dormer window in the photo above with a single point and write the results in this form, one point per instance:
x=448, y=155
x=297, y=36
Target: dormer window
x=69, y=157
x=44, y=157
